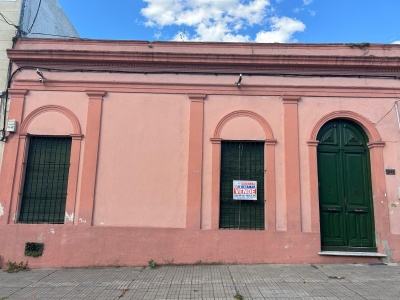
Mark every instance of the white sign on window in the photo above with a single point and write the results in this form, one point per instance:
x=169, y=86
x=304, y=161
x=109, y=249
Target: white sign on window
x=244, y=190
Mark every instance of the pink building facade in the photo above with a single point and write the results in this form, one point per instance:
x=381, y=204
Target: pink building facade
x=157, y=136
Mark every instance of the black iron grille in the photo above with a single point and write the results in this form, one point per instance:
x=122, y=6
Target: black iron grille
x=46, y=179
x=241, y=160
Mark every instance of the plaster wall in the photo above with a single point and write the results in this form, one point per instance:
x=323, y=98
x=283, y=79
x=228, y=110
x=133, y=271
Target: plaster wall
x=74, y=101
x=146, y=160
x=142, y=170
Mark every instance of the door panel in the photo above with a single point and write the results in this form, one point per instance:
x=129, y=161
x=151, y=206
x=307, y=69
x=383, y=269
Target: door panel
x=355, y=182
x=332, y=229
x=346, y=214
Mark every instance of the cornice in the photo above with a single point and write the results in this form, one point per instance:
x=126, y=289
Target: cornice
x=208, y=45
x=204, y=62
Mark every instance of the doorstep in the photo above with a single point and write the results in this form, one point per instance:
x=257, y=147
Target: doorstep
x=349, y=253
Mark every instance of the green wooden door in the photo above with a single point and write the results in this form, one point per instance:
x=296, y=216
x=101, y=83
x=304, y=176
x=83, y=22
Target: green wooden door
x=346, y=212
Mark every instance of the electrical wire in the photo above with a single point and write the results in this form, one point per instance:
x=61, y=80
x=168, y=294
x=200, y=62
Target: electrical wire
x=8, y=21
x=57, y=35
x=387, y=112
x=34, y=19
x=8, y=84
x=2, y=131
x=3, y=137
x=259, y=74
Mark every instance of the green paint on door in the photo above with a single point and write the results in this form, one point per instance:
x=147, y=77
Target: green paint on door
x=345, y=198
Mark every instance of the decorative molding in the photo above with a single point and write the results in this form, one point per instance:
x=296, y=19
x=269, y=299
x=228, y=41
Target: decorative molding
x=290, y=99
x=244, y=113
x=95, y=95
x=204, y=61
x=197, y=97
x=376, y=144
x=313, y=143
x=271, y=142
x=18, y=92
x=366, y=124
x=160, y=87
x=49, y=108
x=76, y=136
x=216, y=140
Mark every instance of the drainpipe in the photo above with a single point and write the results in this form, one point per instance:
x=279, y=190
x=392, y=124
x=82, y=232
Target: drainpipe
x=397, y=112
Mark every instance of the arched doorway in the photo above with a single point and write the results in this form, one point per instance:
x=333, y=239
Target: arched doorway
x=345, y=197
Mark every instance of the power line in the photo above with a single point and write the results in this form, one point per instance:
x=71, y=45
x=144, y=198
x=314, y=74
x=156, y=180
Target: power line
x=57, y=35
x=3, y=137
x=34, y=19
x=8, y=21
x=387, y=112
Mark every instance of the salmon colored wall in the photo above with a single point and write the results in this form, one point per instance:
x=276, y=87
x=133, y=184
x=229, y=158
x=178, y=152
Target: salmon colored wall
x=142, y=169
x=74, y=101
x=243, y=128
x=145, y=160
x=67, y=246
x=52, y=123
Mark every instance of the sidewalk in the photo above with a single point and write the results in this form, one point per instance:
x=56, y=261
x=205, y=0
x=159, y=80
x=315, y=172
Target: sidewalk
x=206, y=282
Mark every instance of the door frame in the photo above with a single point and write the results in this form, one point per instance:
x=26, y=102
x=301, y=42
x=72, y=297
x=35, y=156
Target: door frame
x=342, y=187
x=378, y=184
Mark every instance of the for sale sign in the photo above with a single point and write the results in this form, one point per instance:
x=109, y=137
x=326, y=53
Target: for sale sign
x=244, y=190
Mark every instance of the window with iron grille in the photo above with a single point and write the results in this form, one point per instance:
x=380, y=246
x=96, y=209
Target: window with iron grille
x=241, y=160
x=46, y=179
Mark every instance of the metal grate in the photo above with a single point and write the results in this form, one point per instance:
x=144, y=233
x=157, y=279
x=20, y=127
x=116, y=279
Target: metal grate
x=46, y=179
x=241, y=160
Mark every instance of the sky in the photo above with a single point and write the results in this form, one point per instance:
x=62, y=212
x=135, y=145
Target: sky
x=253, y=21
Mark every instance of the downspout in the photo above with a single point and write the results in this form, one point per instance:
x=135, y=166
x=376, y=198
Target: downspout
x=397, y=112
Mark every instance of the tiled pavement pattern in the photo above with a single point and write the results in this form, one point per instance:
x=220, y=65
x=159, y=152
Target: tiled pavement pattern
x=327, y=282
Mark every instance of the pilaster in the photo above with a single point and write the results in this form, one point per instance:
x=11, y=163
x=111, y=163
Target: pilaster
x=292, y=162
x=195, y=163
x=89, y=166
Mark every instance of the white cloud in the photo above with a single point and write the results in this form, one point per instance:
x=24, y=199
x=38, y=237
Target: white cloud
x=220, y=20
x=396, y=42
x=282, y=31
x=192, y=12
x=307, y=2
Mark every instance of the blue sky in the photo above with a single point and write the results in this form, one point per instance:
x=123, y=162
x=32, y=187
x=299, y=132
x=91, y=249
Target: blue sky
x=302, y=21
